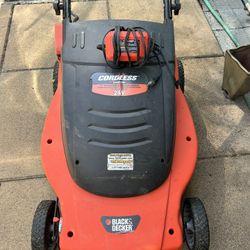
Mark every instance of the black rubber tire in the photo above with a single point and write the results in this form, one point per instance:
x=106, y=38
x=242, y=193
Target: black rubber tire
x=55, y=77
x=41, y=234
x=181, y=75
x=195, y=224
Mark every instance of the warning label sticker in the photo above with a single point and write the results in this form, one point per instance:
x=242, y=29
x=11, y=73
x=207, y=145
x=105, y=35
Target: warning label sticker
x=120, y=161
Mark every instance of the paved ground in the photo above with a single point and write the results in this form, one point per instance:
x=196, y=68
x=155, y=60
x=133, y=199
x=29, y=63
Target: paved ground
x=26, y=52
x=238, y=21
x=234, y=15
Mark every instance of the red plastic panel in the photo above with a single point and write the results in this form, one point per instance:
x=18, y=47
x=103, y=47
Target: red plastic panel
x=160, y=226
x=58, y=38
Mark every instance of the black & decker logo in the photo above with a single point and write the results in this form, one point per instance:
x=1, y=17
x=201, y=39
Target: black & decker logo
x=126, y=224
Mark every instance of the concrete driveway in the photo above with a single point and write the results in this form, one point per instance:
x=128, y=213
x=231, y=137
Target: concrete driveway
x=222, y=178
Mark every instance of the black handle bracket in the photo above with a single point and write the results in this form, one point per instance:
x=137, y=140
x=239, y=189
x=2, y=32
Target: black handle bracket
x=176, y=7
x=58, y=6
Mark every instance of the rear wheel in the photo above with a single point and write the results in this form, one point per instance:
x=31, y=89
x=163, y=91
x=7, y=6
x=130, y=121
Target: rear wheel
x=42, y=236
x=181, y=75
x=55, y=77
x=195, y=226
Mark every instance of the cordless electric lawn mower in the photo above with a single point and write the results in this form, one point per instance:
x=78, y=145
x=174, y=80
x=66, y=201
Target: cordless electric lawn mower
x=119, y=145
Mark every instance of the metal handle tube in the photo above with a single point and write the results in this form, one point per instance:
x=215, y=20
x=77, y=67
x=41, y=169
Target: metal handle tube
x=167, y=9
x=67, y=9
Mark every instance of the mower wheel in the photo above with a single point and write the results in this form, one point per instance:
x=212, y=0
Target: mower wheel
x=181, y=75
x=55, y=77
x=196, y=229
x=42, y=228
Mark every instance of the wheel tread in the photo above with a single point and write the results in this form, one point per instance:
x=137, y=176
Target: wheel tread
x=181, y=75
x=201, y=227
x=43, y=214
x=55, y=77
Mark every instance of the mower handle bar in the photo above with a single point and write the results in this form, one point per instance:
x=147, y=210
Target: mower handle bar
x=65, y=6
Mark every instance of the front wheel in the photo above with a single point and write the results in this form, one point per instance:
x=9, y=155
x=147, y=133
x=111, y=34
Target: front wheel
x=195, y=224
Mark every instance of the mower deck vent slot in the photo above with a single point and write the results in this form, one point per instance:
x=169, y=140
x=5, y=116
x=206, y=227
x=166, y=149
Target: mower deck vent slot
x=119, y=114
x=120, y=129
x=82, y=43
x=74, y=40
x=127, y=144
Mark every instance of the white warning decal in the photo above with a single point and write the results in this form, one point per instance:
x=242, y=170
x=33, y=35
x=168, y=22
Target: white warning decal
x=120, y=161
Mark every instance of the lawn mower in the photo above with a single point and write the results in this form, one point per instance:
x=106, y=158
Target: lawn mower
x=119, y=145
